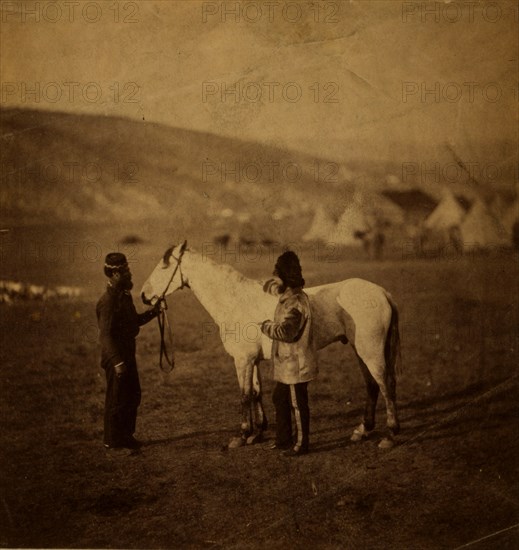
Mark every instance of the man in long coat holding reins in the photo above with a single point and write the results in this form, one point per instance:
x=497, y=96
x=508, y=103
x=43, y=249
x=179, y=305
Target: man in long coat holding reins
x=293, y=354
x=119, y=324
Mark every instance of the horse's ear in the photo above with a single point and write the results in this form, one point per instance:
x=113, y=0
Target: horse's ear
x=183, y=246
x=167, y=256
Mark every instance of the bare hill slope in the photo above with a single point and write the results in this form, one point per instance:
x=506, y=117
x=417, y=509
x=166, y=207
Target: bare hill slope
x=63, y=167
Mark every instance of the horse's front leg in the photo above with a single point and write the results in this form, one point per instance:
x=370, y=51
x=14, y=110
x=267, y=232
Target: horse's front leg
x=245, y=372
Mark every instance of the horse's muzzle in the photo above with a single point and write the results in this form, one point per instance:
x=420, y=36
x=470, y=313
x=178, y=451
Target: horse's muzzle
x=148, y=302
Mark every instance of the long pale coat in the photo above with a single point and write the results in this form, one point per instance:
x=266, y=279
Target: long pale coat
x=293, y=351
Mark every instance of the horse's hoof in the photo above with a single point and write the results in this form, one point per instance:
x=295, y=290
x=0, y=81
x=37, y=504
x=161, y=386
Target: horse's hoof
x=254, y=438
x=236, y=442
x=386, y=443
x=359, y=434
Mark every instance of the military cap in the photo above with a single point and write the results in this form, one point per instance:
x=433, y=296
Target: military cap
x=115, y=260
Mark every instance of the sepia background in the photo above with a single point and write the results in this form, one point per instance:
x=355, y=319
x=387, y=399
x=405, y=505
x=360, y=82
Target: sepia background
x=379, y=139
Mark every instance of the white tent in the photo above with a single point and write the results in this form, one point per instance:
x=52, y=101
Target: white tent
x=352, y=222
x=322, y=226
x=448, y=214
x=481, y=230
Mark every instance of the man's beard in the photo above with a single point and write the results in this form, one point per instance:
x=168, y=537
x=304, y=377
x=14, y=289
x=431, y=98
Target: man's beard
x=126, y=284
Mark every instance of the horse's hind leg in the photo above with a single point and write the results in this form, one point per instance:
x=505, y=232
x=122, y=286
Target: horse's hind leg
x=260, y=419
x=387, y=384
x=393, y=423
x=368, y=421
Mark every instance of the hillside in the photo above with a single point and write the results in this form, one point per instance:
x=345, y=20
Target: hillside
x=59, y=167
x=63, y=167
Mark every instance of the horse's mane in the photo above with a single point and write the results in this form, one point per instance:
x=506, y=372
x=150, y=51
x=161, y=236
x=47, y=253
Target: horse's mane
x=231, y=272
x=228, y=270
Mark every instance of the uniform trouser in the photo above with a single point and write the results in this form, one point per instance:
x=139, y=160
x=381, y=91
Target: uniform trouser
x=123, y=396
x=288, y=398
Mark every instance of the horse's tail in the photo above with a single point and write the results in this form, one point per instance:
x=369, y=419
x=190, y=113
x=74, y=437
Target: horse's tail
x=392, y=348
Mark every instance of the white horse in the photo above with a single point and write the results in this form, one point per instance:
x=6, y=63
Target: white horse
x=353, y=310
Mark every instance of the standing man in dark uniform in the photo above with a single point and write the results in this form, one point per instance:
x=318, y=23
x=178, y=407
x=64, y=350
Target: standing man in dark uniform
x=293, y=354
x=119, y=324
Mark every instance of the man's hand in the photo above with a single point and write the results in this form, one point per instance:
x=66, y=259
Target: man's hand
x=262, y=325
x=273, y=286
x=159, y=306
x=268, y=283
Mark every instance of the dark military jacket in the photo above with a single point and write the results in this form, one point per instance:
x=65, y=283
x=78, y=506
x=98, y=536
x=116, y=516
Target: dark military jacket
x=119, y=324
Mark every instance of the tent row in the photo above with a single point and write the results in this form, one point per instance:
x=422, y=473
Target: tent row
x=364, y=216
x=452, y=221
x=473, y=226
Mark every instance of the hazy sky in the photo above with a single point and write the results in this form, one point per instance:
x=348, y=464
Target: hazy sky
x=346, y=80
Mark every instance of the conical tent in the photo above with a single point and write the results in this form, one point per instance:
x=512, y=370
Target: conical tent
x=322, y=226
x=448, y=214
x=480, y=230
x=351, y=224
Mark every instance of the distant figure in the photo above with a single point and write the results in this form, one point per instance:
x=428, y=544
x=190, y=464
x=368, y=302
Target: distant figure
x=455, y=239
x=119, y=324
x=373, y=242
x=293, y=354
x=378, y=241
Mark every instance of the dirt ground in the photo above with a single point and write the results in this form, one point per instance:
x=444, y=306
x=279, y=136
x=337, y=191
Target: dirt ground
x=452, y=480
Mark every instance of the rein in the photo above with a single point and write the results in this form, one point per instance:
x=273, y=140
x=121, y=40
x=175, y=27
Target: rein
x=163, y=320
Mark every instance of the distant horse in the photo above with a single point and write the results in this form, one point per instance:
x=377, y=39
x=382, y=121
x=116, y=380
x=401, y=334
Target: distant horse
x=353, y=310
x=247, y=241
x=222, y=240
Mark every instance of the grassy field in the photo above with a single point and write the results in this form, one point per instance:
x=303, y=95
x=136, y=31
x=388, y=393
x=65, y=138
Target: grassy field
x=452, y=478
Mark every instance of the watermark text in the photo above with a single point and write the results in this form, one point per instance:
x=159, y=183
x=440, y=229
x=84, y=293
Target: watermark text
x=458, y=11
x=70, y=92
x=269, y=92
x=270, y=11
x=268, y=171
x=69, y=11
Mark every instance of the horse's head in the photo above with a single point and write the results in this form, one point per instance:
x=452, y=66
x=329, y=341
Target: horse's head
x=167, y=275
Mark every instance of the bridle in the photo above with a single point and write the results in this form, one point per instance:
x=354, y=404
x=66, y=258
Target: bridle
x=177, y=268
x=162, y=318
